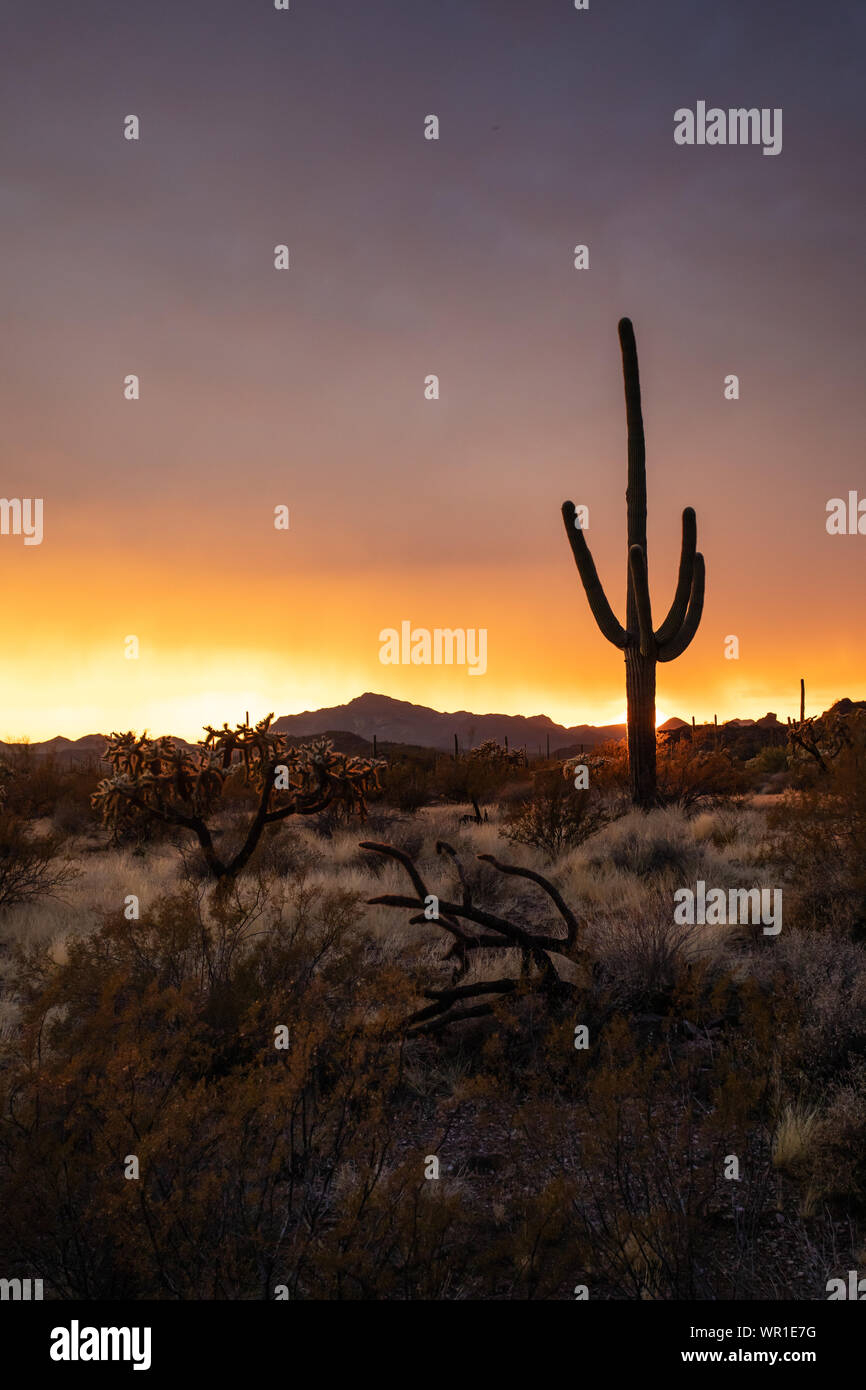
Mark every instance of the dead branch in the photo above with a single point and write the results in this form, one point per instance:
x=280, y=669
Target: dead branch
x=499, y=934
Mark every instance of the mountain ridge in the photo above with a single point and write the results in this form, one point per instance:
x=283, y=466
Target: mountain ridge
x=401, y=721
x=395, y=721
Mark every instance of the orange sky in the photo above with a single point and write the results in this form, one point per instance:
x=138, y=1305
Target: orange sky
x=210, y=652
x=306, y=387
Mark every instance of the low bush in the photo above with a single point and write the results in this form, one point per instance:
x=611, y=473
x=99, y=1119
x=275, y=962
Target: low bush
x=30, y=866
x=555, y=816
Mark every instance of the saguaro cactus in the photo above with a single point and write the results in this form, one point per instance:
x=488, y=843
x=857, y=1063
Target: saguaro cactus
x=642, y=645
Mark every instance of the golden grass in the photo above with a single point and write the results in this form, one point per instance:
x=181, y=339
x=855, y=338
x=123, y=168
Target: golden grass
x=794, y=1134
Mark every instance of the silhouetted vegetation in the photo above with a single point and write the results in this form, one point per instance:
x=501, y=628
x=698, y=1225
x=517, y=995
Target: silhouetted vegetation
x=284, y=1050
x=30, y=864
x=157, y=779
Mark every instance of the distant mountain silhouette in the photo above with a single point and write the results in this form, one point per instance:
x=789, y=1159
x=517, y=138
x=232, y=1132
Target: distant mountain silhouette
x=65, y=749
x=768, y=721
x=399, y=721
x=351, y=728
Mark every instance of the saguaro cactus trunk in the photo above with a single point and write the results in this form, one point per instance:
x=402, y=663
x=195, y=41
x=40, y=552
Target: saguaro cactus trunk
x=640, y=691
x=642, y=645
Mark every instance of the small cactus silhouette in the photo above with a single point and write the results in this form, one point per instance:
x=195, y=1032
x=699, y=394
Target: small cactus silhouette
x=643, y=646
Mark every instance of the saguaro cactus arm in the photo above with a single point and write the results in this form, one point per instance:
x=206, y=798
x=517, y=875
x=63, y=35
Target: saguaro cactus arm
x=609, y=625
x=680, y=604
x=683, y=636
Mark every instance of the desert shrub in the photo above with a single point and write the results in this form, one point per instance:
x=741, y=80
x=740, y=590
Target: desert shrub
x=73, y=815
x=406, y=785
x=820, y=740
x=515, y=794
x=30, y=866
x=406, y=834
x=655, y=1127
x=607, y=767
x=768, y=761
x=284, y=851
x=644, y=957
x=37, y=785
x=619, y=1165
x=258, y=1166
x=821, y=834
x=657, y=844
x=419, y=777
x=835, y=1165
x=720, y=828
x=497, y=755
x=480, y=775
x=688, y=774
x=304, y=1166
x=7, y=775
x=330, y=822
x=824, y=978
x=555, y=816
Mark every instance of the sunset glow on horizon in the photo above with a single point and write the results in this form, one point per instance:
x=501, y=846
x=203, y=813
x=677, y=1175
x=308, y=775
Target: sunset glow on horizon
x=305, y=388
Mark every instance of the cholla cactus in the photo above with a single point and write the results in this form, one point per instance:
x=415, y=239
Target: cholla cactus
x=155, y=778
x=492, y=752
x=823, y=737
x=593, y=762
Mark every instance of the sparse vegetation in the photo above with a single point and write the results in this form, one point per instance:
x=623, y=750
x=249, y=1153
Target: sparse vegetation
x=597, y=1158
x=822, y=829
